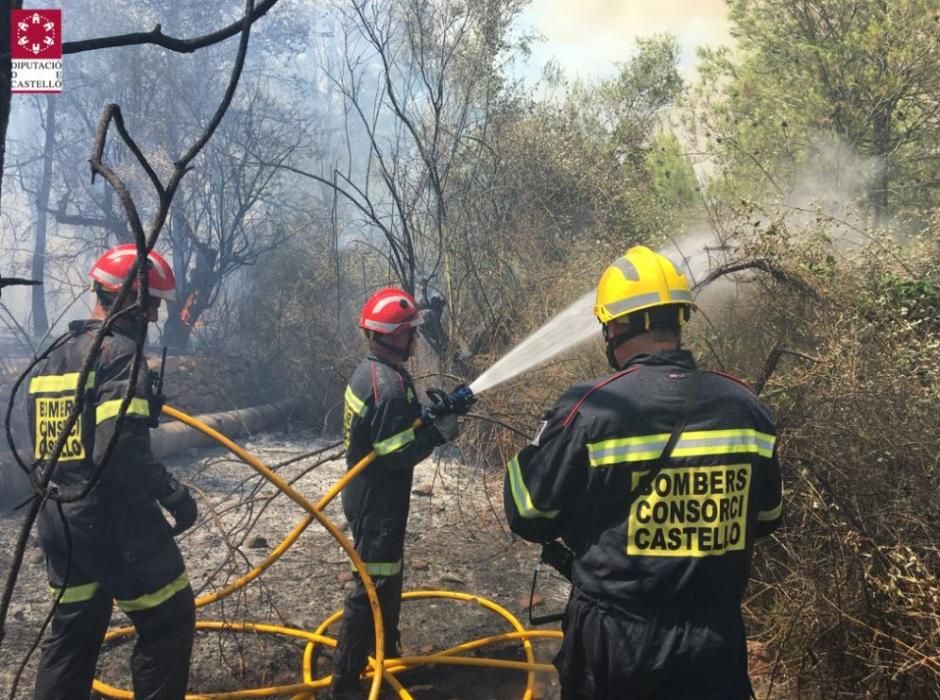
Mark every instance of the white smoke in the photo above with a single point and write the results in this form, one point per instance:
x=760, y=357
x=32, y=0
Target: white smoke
x=829, y=187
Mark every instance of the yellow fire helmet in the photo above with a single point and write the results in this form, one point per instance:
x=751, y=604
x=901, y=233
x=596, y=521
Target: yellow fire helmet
x=640, y=279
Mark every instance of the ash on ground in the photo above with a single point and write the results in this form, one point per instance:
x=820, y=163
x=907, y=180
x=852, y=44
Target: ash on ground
x=456, y=541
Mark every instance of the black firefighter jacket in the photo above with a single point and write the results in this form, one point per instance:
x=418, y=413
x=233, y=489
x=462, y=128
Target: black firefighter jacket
x=118, y=533
x=688, y=538
x=379, y=411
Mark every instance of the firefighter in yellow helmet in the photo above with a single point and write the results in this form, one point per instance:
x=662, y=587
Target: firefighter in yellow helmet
x=657, y=478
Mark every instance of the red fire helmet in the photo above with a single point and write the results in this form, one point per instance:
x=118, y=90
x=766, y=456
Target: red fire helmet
x=388, y=310
x=118, y=262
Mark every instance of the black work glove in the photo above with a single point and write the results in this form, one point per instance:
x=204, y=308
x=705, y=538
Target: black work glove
x=559, y=557
x=181, y=504
x=447, y=427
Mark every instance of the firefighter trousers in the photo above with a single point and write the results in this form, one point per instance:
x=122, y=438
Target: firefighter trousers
x=380, y=542
x=357, y=633
x=159, y=662
x=682, y=654
x=129, y=555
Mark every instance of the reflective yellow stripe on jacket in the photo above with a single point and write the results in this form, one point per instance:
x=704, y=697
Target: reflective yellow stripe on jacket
x=110, y=409
x=395, y=442
x=49, y=383
x=768, y=516
x=695, y=443
x=355, y=404
x=157, y=597
x=520, y=494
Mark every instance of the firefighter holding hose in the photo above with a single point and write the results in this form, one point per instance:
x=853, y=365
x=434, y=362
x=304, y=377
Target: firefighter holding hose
x=114, y=544
x=380, y=409
x=658, y=478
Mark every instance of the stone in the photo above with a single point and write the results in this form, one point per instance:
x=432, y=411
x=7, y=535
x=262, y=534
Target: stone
x=423, y=490
x=536, y=601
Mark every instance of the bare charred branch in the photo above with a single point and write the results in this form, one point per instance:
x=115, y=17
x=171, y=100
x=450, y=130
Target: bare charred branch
x=99, y=168
x=779, y=274
x=156, y=36
x=181, y=166
x=184, y=162
x=135, y=149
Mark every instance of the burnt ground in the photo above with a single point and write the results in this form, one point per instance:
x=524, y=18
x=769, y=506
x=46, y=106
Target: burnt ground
x=456, y=541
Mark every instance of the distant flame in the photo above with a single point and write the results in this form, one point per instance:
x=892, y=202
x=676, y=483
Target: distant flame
x=184, y=314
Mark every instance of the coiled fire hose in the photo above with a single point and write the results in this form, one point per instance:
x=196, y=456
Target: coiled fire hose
x=309, y=685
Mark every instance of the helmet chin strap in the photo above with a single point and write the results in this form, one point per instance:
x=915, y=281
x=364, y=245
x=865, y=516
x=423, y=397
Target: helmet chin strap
x=614, y=342
x=391, y=349
x=636, y=324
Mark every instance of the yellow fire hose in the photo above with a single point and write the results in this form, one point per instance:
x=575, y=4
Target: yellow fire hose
x=389, y=668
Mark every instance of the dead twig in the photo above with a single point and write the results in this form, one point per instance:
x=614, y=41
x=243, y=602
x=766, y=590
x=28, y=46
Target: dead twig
x=771, y=364
x=773, y=269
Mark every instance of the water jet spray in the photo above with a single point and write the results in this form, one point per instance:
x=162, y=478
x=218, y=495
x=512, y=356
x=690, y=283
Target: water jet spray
x=569, y=328
x=577, y=323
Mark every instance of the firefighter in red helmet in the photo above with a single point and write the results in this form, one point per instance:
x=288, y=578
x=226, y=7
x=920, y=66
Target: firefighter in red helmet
x=114, y=544
x=380, y=409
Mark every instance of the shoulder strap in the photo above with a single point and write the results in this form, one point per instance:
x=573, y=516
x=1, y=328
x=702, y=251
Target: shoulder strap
x=695, y=386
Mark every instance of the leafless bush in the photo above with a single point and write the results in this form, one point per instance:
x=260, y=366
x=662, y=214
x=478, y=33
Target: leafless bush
x=848, y=594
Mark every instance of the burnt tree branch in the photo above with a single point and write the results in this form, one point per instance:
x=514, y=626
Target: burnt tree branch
x=778, y=273
x=156, y=36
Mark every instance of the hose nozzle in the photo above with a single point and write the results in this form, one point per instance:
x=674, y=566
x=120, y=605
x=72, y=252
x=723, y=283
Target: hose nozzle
x=458, y=401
